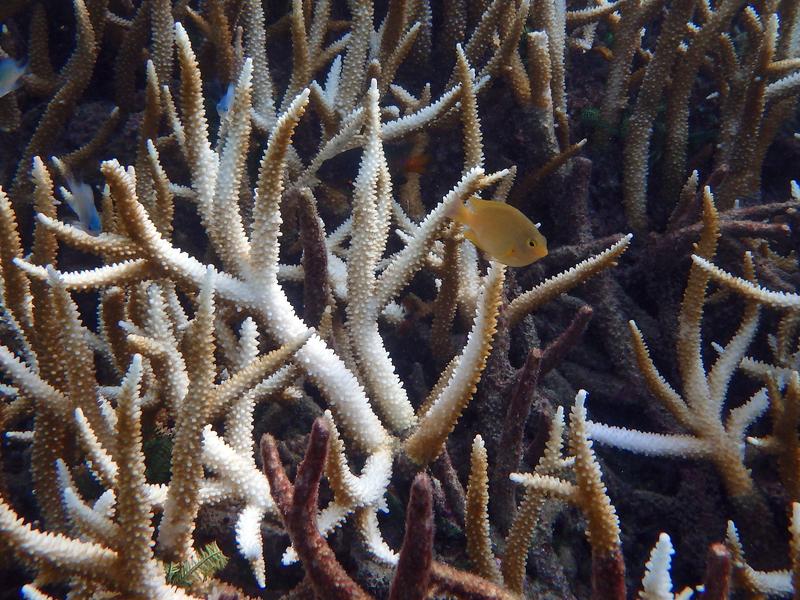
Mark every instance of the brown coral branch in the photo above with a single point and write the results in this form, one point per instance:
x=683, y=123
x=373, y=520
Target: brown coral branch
x=717, y=580
x=412, y=577
x=39, y=49
x=316, y=288
x=690, y=205
x=79, y=157
x=556, y=350
x=129, y=58
x=417, y=575
x=760, y=211
x=466, y=586
x=77, y=74
x=608, y=576
x=510, y=447
x=535, y=178
x=444, y=306
x=443, y=469
x=538, y=363
x=662, y=250
x=298, y=507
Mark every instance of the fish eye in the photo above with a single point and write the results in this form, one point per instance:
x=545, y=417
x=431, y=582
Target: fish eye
x=531, y=243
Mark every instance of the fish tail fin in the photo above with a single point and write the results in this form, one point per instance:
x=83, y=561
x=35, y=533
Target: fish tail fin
x=94, y=224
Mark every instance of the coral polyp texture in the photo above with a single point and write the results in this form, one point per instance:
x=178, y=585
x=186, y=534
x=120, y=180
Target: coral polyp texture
x=225, y=224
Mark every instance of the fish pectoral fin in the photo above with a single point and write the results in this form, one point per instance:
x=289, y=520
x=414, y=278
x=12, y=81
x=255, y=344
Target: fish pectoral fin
x=510, y=251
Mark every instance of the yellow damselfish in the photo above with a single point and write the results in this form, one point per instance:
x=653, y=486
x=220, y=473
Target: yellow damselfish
x=501, y=231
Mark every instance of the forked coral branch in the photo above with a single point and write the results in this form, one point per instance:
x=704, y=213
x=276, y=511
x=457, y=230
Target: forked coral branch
x=588, y=493
x=700, y=409
x=297, y=504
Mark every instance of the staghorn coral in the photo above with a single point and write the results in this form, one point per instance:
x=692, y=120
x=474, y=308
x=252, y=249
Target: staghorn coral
x=280, y=221
x=700, y=408
x=589, y=494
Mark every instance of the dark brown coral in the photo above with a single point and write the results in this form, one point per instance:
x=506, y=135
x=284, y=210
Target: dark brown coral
x=298, y=507
x=417, y=573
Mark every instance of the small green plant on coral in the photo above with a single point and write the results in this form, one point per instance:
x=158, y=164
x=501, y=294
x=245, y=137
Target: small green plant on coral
x=206, y=564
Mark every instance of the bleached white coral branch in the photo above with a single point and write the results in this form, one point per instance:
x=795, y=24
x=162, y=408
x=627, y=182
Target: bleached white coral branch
x=239, y=478
x=370, y=225
x=547, y=484
x=649, y=444
x=657, y=583
x=749, y=290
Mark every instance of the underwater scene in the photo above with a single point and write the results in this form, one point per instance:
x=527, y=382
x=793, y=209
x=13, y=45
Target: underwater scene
x=399, y=299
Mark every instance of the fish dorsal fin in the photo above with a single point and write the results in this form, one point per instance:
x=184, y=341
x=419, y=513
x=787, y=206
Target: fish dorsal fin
x=473, y=203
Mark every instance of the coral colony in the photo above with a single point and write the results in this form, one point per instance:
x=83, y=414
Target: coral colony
x=225, y=224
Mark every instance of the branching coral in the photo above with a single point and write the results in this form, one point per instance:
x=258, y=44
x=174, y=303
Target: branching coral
x=298, y=506
x=751, y=107
x=116, y=555
x=589, y=494
x=700, y=409
x=180, y=369
x=289, y=258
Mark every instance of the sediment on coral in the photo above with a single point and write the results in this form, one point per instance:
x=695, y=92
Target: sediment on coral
x=225, y=224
